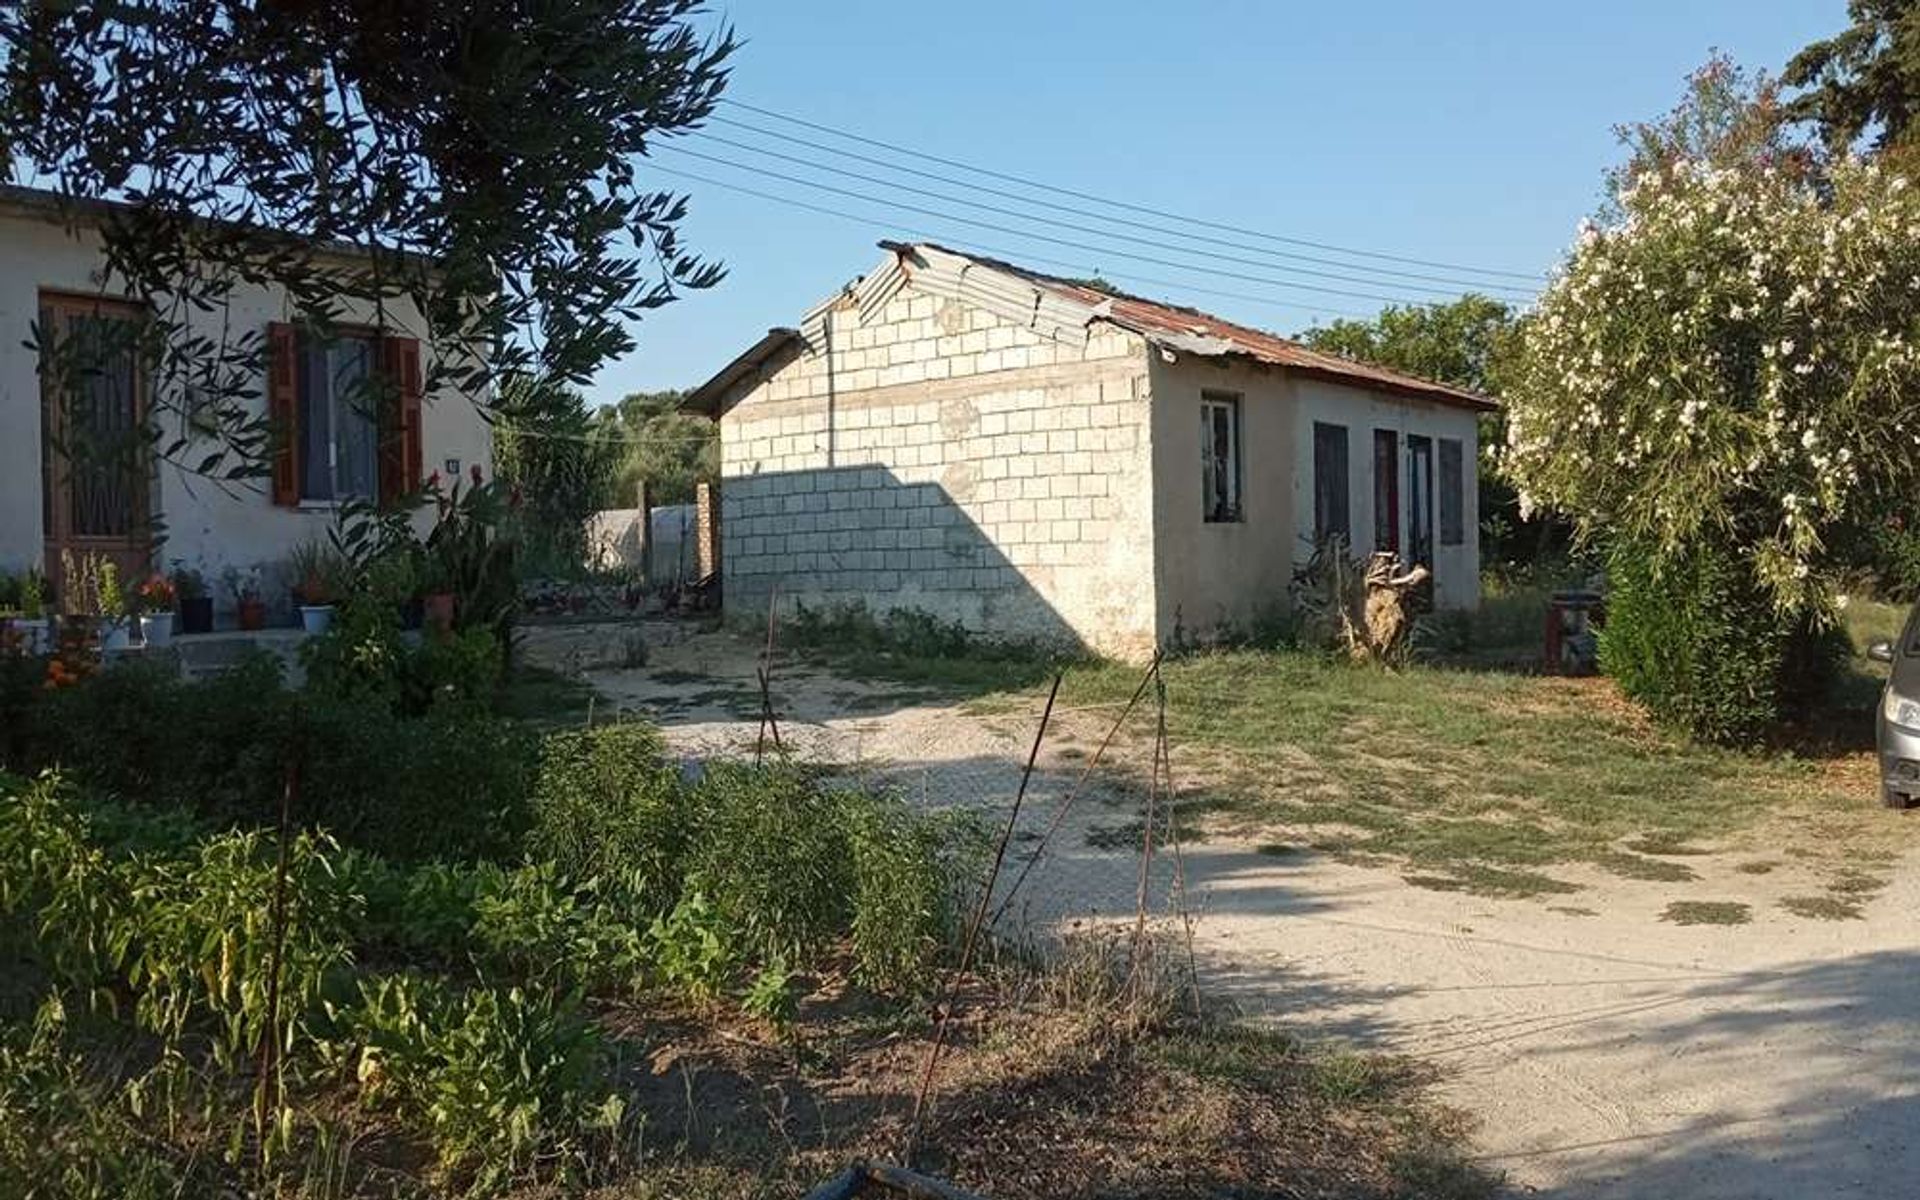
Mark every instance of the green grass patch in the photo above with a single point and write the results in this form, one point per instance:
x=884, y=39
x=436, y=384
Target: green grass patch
x=1823, y=908
x=1440, y=769
x=547, y=697
x=1635, y=866
x=1707, y=912
x=1503, y=883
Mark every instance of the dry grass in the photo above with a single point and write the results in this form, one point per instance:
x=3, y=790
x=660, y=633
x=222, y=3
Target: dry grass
x=1080, y=1082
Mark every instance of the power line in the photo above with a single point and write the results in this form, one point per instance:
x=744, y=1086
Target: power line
x=1059, y=241
x=1009, y=255
x=1270, y=255
x=1139, y=208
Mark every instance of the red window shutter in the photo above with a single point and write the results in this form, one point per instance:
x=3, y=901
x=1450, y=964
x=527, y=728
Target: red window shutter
x=283, y=411
x=400, y=450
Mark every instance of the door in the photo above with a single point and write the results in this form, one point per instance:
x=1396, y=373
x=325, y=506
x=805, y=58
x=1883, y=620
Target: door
x=1386, y=490
x=1420, y=500
x=96, y=470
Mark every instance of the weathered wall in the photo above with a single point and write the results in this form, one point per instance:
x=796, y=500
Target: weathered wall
x=1227, y=577
x=1456, y=569
x=208, y=526
x=942, y=459
x=1217, y=577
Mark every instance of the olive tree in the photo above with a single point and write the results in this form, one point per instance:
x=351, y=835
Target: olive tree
x=483, y=161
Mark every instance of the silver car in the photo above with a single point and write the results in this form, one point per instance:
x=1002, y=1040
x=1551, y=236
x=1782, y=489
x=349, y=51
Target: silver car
x=1897, y=723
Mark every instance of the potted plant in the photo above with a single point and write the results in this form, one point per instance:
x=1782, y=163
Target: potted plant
x=196, y=606
x=314, y=593
x=116, y=624
x=155, y=597
x=248, y=608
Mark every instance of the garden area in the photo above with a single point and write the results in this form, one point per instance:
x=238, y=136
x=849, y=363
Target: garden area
x=414, y=927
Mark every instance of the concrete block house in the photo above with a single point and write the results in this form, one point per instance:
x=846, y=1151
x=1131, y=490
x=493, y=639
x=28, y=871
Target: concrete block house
x=113, y=505
x=1045, y=460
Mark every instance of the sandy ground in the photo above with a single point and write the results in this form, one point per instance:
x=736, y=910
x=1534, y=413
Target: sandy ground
x=1605, y=1053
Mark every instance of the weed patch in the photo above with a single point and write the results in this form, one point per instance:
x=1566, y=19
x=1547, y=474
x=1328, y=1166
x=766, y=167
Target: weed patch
x=1707, y=912
x=1823, y=908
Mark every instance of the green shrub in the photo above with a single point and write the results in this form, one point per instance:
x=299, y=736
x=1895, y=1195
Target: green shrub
x=495, y=1078
x=1696, y=638
x=533, y=925
x=364, y=659
x=451, y=784
x=608, y=805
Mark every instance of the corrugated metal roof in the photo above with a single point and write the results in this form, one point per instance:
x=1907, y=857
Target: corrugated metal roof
x=1057, y=303
x=1064, y=310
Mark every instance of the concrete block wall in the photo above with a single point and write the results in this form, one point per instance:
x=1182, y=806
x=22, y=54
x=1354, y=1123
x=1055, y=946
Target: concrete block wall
x=942, y=459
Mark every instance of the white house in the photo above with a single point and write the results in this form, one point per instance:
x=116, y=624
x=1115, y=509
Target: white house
x=1044, y=459
x=326, y=449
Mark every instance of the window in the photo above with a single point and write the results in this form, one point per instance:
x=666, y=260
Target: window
x=1453, y=496
x=1386, y=490
x=346, y=415
x=1420, y=501
x=339, y=400
x=1220, y=458
x=1330, y=482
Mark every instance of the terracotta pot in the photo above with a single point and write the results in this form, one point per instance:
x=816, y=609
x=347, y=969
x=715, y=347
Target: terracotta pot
x=437, y=608
x=252, y=614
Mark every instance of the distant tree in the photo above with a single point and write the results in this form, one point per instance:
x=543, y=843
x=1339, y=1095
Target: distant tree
x=561, y=461
x=1460, y=342
x=1468, y=343
x=1864, y=82
x=485, y=157
x=662, y=447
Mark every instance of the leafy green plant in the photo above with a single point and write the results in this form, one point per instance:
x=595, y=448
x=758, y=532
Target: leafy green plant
x=770, y=996
x=691, y=946
x=607, y=805
x=1697, y=639
x=496, y=1078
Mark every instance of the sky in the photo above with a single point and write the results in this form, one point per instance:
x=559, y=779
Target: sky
x=1471, y=134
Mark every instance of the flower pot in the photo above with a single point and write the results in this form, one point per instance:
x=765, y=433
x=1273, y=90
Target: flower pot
x=34, y=636
x=156, y=630
x=437, y=610
x=116, y=633
x=252, y=614
x=196, y=615
x=316, y=619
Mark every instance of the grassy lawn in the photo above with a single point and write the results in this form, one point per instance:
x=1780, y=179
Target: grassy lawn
x=1484, y=780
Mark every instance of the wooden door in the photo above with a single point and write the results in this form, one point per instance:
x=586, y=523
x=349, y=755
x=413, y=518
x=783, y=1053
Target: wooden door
x=96, y=465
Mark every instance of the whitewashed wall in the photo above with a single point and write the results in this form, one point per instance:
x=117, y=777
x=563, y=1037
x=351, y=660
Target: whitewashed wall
x=207, y=526
x=1456, y=569
x=941, y=459
x=1216, y=577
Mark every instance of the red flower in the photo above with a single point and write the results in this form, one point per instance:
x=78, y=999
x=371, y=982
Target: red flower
x=475, y=472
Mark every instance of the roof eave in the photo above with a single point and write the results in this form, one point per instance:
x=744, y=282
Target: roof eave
x=708, y=399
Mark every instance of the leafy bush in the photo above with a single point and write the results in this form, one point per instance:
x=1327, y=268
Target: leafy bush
x=607, y=804
x=451, y=784
x=364, y=659
x=495, y=1077
x=1698, y=640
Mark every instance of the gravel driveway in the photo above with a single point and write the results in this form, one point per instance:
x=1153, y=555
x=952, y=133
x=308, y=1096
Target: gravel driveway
x=1604, y=1051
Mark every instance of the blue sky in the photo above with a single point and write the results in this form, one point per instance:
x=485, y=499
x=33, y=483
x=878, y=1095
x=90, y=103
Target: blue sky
x=1470, y=133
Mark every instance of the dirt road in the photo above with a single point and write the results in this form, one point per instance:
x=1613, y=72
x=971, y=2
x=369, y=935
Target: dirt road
x=1606, y=1052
